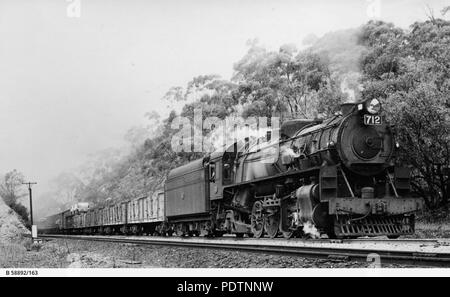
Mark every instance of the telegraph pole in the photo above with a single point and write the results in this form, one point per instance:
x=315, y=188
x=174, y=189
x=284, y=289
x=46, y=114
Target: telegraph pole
x=29, y=184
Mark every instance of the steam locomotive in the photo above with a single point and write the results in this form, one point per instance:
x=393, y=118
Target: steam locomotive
x=337, y=176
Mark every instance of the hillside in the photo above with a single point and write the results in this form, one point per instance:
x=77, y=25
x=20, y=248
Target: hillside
x=11, y=228
x=407, y=70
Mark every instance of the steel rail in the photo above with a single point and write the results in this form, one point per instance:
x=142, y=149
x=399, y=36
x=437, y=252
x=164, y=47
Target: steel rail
x=345, y=253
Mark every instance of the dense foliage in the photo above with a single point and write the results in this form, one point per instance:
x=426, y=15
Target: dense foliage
x=11, y=192
x=410, y=73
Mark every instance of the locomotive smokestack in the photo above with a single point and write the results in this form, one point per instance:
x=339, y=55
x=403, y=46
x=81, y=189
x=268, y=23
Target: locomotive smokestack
x=347, y=107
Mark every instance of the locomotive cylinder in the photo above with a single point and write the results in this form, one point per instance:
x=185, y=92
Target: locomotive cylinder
x=308, y=205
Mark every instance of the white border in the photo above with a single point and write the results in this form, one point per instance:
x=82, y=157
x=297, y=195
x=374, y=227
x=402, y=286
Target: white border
x=244, y=273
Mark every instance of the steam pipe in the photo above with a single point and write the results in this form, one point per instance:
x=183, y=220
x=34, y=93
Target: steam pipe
x=346, y=182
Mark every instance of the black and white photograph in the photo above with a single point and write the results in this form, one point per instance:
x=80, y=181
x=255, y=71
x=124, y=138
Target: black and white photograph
x=214, y=138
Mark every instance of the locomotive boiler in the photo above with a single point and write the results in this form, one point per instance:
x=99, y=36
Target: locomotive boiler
x=336, y=177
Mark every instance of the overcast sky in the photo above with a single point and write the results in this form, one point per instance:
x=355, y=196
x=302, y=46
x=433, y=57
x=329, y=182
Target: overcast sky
x=72, y=86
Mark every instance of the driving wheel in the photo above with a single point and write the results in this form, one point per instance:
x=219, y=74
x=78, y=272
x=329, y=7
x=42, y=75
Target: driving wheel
x=271, y=224
x=257, y=220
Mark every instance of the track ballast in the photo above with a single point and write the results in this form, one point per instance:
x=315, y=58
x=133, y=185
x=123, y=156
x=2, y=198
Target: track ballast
x=415, y=252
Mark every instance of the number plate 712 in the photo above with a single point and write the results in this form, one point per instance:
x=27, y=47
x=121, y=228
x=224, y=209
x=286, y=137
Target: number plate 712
x=372, y=119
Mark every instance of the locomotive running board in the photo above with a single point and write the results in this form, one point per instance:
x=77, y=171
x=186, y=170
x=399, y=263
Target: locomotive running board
x=281, y=175
x=189, y=218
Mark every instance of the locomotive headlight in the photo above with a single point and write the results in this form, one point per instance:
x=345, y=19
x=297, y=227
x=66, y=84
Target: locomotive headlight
x=373, y=106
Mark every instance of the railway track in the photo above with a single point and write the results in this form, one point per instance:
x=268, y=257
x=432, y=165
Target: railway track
x=415, y=252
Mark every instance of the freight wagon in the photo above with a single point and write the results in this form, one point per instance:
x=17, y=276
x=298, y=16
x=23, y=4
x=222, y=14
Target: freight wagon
x=136, y=216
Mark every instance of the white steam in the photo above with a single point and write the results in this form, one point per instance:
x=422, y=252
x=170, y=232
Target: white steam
x=351, y=86
x=351, y=98
x=311, y=230
x=287, y=151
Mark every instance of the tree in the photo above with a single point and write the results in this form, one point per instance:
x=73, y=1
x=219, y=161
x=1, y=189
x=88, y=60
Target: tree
x=286, y=81
x=137, y=135
x=410, y=73
x=445, y=10
x=22, y=212
x=11, y=187
x=174, y=95
x=11, y=190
